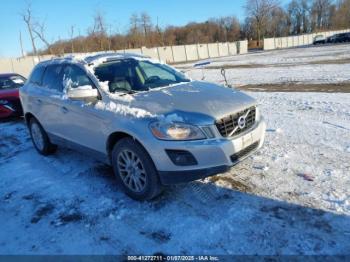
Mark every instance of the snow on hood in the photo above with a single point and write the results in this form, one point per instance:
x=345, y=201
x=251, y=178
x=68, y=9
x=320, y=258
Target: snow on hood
x=123, y=109
x=192, y=98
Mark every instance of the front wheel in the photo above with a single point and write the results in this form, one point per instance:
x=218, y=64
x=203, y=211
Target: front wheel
x=135, y=170
x=40, y=139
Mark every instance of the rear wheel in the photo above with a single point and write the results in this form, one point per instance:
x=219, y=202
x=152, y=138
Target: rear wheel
x=135, y=170
x=40, y=138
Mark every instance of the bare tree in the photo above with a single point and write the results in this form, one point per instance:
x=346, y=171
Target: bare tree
x=321, y=13
x=231, y=27
x=278, y=24
x=296, y=16
x=71, y=35
x=39, y=31
x=99, y=31
x=28, y=20
x=159, y=33
x=299, y=16
x=341, y=18
x=134, y=32
x=259, y=11
x=146, y=26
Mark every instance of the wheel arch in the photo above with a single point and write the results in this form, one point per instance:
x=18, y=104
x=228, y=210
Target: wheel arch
x=29, y=116
x=114, y=137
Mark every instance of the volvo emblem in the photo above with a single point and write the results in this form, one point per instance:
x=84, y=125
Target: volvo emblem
x=241, y=122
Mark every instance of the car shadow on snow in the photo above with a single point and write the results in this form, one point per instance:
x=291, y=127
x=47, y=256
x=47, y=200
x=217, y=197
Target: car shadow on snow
x=209, y=217
x=204, y=216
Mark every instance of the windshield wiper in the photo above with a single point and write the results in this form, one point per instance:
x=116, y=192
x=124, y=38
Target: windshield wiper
x=128, y=93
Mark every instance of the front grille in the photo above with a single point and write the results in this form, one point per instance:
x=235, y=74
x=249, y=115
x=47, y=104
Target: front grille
x=228, y=126
x=245, y=151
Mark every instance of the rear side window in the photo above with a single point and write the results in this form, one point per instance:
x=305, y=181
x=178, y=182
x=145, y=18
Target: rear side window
x=53, y=77
x=37, y=75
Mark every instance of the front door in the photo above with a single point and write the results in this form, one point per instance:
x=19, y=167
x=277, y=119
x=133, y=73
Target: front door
x=81, y=123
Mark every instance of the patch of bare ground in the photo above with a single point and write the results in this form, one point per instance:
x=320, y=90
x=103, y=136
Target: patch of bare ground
x=320, y=62
x=343, y=87
x=331, y=62
x=231, y=182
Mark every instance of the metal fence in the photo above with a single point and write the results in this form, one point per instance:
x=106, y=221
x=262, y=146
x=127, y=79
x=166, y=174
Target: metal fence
x=298, y=40
x=168, y=54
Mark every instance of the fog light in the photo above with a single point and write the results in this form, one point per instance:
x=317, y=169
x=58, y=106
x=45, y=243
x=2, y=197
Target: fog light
x=181, y=157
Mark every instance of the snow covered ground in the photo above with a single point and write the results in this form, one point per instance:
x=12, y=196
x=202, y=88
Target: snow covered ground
x=292, y=197
x=311, y=65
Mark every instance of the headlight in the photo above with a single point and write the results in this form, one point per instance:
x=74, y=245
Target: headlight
x=176, y=131
x=3, y=102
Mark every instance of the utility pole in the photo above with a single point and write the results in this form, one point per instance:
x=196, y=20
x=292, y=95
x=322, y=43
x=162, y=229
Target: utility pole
x=20, y=40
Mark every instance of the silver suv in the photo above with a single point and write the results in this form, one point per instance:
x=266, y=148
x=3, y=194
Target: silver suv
x=152, y=124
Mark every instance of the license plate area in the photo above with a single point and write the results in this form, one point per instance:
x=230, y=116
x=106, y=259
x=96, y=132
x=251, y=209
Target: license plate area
x=247, y=140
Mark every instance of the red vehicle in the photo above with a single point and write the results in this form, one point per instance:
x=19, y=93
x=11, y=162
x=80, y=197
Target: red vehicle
x=10, y=105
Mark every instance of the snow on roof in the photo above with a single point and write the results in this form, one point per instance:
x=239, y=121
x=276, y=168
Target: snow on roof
x=93, y=58
x=112, y=55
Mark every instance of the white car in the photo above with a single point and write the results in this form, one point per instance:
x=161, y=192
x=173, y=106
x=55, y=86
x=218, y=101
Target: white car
x=152, y=124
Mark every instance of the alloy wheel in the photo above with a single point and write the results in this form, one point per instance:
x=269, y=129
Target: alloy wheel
x=132, y=171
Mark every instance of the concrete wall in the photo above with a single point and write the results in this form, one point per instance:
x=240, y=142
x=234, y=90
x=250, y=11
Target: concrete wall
x=151, y=52
x=179, y=53
x=22, y=66
x=168, y=54
x=243, y=47
x=213, y=50
x=191, y=52
x=295, y=41
x=232, y=48
x=203, y=51
x=223, y=49
x=135, y=51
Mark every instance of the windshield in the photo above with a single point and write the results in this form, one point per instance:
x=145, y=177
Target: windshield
x=11, y=82
x=129, y=75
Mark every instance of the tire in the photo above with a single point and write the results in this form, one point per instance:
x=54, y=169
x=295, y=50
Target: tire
x=135, y=170
x=40, y=138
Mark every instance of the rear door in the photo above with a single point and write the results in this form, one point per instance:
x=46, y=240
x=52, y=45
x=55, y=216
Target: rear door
x=31, y=94
x=51, y=98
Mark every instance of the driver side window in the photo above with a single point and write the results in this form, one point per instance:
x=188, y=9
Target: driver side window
x=75, y=77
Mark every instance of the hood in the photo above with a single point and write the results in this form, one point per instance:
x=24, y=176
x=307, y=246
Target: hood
x=9, y=93
x=195, y=102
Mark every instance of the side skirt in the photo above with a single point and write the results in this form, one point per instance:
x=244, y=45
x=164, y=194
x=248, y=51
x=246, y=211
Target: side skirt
x=77, y=147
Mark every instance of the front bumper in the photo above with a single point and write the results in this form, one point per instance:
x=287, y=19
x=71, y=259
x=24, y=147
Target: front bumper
x=213, y=156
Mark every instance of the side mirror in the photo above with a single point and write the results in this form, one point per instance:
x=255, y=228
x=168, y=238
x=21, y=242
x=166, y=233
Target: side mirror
x=83, y=93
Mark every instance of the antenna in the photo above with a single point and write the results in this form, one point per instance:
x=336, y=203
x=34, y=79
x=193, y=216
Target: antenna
x=223, y=73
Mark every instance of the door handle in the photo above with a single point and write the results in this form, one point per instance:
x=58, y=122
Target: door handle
x=64, y=110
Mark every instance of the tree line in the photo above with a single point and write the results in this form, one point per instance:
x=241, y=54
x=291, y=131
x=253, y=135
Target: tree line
x=263, y=18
